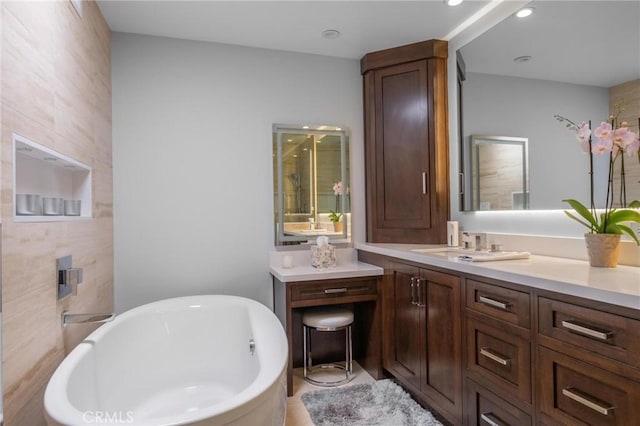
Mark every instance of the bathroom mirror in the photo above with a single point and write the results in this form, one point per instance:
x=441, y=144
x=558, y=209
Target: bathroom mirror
x=517, y=75
x=499, y=173
x=311, y=183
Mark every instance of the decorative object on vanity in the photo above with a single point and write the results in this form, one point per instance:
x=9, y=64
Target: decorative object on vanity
x=323, y=254
x=378, y=403
x=335, y=215
x=28, y=204
x=335, y=219
x=615, y=139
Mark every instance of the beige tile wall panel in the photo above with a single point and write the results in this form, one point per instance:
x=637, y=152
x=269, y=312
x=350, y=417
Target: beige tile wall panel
x=56, y=90
x=630, y=92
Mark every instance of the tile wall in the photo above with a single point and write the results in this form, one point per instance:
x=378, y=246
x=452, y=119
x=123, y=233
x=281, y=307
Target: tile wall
x=56, y=91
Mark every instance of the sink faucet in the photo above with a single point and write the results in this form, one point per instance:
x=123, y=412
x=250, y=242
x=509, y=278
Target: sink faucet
x=68, y=318
x=474, y=240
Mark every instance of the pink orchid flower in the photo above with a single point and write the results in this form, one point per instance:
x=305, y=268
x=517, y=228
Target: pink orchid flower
x=583, y=132
x=623, y=140
x=603, y=131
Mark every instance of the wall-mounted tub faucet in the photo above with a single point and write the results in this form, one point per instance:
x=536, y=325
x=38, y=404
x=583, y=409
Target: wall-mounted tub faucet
x=68, y=277
x=68, y=318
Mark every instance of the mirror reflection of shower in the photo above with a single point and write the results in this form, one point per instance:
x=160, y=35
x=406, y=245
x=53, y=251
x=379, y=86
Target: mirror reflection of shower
x=295, y=181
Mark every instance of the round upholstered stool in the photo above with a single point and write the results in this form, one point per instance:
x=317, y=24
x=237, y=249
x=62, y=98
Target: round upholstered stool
x=327, y=319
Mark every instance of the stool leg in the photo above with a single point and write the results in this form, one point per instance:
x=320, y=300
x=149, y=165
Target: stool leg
x=350, y=357
x=304, y=348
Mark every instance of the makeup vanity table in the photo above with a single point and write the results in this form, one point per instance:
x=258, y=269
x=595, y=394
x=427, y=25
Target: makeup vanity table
x=351, y=283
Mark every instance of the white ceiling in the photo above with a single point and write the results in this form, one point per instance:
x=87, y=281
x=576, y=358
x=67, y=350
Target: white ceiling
x=596, y=43
x=586, y=42
x=295, y=26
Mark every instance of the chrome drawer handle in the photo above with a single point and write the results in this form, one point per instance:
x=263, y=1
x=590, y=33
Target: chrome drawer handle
x=335, y=290
x=494, y=357
x=494, y=303
x=602, y=335
x=490, y=419
x=413, y=292
x=587, y=400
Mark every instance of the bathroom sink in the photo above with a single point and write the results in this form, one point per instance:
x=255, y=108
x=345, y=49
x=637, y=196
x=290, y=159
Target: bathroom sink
x=312, y=231
x=472, y=255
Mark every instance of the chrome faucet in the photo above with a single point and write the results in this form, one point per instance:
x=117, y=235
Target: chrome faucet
x=68, y=318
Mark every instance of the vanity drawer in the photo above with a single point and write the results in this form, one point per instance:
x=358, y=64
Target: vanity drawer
x=610, y=335
x=334, y=289
x=574, y=392
x=499, y=357
x=499, y=302
x=485, y=408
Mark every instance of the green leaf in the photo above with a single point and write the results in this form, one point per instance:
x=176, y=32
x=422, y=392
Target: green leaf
x=612, y=228
x=624, y=216
x=635, y=204
x=629, y=232
x=578, y=220
x=582, y=211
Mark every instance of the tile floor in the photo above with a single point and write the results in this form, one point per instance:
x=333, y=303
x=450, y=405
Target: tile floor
x=297, y=415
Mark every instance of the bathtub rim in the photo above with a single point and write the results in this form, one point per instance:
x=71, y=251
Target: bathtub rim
x=59, y=409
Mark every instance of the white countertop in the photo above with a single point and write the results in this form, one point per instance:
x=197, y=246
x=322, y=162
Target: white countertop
x=618, y=286
x=347, y=266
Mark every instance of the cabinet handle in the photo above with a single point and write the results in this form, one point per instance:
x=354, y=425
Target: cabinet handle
x=486, y=352
x=335, y=290
x=494, y=303
x=419, y=304
x=581, y=329
x=587, y=400
x=424, y=182
x=413, y=291
x=491, y=420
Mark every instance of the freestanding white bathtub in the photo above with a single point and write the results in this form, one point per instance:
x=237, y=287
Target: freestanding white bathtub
x=204, y=360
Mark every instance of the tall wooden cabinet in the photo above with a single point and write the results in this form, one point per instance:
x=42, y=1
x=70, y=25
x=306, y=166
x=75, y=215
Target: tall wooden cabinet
x=406, y=143
x=424, y=346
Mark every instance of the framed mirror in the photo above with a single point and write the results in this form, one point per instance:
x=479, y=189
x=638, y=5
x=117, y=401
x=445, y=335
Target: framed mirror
x=311, y=183
x=499, y=178
x=517, y=75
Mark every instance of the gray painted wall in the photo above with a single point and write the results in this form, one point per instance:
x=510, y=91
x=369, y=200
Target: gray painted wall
x=193, y=162
x=519, y=107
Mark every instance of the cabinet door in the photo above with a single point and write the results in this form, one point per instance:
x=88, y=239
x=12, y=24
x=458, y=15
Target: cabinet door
x=407, y=339
x=406, y=154
x=402, y=147
x=442, y=370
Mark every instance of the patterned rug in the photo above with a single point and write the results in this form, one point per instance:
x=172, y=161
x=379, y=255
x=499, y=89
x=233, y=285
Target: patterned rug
x=381, y=403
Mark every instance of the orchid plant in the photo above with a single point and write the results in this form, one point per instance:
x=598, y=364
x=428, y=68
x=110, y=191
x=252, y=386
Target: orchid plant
x=613, y=138
x=338, y=190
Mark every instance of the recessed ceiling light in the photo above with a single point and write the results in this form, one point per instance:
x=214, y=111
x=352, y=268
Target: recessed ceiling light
x=330, y=34
x=453, y=2
x=524, y=12
x=522, y=59
x=289, y=140
x=305, y=127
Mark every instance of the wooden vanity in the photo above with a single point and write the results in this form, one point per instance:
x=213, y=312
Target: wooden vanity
x=491, y=345
x=353, y=284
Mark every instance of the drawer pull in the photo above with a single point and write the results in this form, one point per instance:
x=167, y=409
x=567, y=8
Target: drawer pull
x=419, y=304
x=335, y=290
x=413, y=291
x=486, y=352
x=493, y=303
x=587, y=400
x=491, y=420
x=578, y=328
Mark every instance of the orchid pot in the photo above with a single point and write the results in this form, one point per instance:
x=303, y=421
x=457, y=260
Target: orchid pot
x=603, y=249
